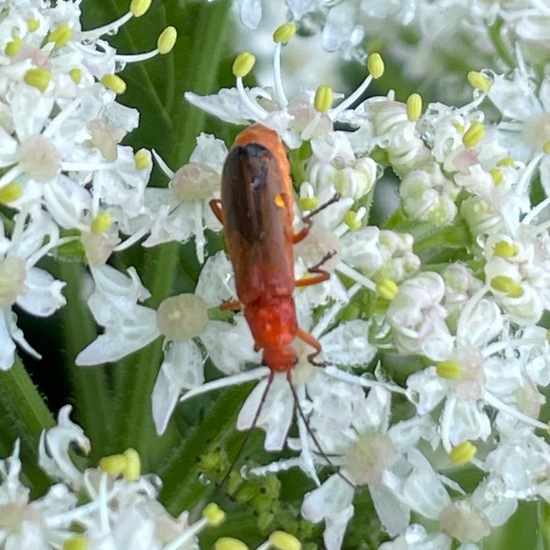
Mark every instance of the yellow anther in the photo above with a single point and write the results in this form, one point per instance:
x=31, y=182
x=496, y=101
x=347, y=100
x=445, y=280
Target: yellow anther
x=60, y=35
x=214, y=514
x=284, y=33
x=506, y=161
x=243, y=64
x=113, y=464
x=284, y=541
x=323, y=98
x=114, y=83
x=414, y=107
x=505, y=284
x=497, y=176
x=462, y=453
x=76, y=75
x=10, y=192
x=142, y=159
x=33, y=24
x=101, y=223
x=479, y=80
x=352, y=220
x=546, y=148
x=228, y=543
x=452, y=370
x=375, y=64
x=387, y=289
x=474, y=134
x=76, y=542
x=132, y=468
x=308, y=203
x=459, y=127
x=505, y=249
x=167, y=39
x=38, y=78
x=13, y=47
x=139, y=7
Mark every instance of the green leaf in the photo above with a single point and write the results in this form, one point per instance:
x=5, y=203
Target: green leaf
x=23, y=416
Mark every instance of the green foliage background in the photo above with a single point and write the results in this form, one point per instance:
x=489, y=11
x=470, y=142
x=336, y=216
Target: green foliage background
x=112, y=402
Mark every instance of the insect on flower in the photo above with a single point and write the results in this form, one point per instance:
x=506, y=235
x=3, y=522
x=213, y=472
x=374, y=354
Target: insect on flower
x=256, y=210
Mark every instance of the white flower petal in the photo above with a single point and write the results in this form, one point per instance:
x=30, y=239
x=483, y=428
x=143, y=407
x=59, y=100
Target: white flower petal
x=210, y=151
x=348, y=344
x=216, y=281
x=332, y=502
x=66, y=201
x=416, y=538
x=428, y=390
x=394, y=514
x=468, y=422
x=43, y=296
x=230, y=345
x=121, y=339
x=276, y=412
x=227, y=104
x=122, y=290
x=251, y=13
x=181, y=369
x=7, y=347
x=53, y=451
x=17, y=334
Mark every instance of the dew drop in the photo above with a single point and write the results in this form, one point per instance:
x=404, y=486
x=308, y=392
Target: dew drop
x=204, y=479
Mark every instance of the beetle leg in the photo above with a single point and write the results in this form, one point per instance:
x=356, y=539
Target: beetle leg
x=216, y=206
x=302, y=234
x=234, y=305
x=310, y=340
x=321, y=274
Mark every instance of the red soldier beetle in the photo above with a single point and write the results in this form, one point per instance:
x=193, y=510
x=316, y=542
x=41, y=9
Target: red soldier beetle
x=257, y=211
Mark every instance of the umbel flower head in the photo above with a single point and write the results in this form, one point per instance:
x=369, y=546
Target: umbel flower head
x=431, y=323
x=110, y=505
x=62, y=168
x=464, y=188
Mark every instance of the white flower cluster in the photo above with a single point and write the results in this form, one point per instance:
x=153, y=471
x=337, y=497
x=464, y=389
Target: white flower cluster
x=471, y=316
x=429, y=40
x=112, y=506
x=455, y=283
x=63, y=172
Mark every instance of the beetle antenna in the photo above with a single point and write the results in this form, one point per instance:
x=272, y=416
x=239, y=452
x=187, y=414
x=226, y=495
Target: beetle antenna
x=307, y=219
x=249, y=431
x=332, y=200
x=312, y=434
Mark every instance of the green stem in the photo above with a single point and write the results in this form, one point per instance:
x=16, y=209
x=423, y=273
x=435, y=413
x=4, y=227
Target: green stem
x=454, y=236
x=502, y=49
x=89, y=383
x=544, y=524
x=23, y=416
